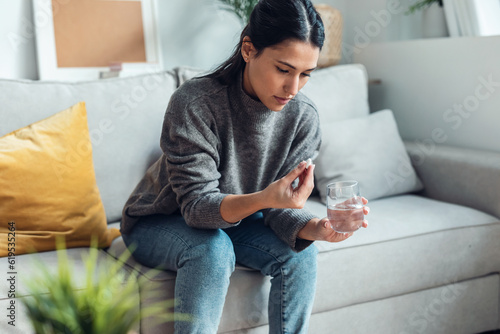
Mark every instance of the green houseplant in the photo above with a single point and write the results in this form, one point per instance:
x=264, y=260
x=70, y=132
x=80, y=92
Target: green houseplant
x=108, y=303
x=422, y=5
x=242, y=8
x=433, y=20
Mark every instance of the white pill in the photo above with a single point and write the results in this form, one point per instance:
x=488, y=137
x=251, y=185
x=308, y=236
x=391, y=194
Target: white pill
x=309, y=163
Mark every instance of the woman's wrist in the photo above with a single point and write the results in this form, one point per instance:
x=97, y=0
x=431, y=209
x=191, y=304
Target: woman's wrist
x=237, y=207
x=307, y=232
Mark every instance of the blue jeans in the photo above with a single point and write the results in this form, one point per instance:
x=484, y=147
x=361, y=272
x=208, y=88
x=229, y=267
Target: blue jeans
x=205, y=259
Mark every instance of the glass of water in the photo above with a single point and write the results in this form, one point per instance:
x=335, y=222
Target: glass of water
x=344, y=206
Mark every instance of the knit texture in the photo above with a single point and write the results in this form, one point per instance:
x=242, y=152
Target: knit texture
x=217, y=140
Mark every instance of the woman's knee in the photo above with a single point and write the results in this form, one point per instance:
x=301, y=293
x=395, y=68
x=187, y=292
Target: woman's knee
x=165, y=242
x=310, y=253
x=305, y=260
x=215, y=253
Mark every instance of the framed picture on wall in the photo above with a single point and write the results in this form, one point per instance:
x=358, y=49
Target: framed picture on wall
x=81, y=39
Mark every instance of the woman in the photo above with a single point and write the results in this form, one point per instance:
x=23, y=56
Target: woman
x=223, y=191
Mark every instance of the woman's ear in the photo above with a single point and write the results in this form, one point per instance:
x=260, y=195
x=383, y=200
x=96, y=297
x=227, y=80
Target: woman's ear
x=247, y=49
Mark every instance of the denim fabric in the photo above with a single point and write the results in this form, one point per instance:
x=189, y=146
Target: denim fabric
x=205, y=259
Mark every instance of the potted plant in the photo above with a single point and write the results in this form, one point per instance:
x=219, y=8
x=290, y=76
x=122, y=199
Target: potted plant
x=422, y=5
x=108, y=303
x=242, y=8
x=433, y=18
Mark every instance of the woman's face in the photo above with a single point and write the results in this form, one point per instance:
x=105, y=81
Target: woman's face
x=279, y=72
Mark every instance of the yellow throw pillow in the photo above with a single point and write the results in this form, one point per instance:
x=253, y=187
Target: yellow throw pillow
x=48, y=187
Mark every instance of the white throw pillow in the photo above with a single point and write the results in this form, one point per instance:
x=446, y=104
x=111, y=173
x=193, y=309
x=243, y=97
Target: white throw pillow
x=369, y=150
x=339, y=92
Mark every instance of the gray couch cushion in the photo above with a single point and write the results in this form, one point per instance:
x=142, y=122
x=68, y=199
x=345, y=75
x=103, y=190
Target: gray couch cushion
x=125, y=116
x=406, y=248
x=465, y=307
x=404, y=216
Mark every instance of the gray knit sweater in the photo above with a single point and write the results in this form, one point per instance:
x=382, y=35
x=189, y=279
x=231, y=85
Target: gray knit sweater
x=216, y=140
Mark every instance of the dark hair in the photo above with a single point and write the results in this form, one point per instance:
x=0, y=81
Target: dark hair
x=272, y=22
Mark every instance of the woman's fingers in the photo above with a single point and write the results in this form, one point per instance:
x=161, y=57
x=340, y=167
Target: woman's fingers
x=282, y=194
x=338, y=237
x=294, y=173
x=308, y=177
x=302, y=171
x=302, y=177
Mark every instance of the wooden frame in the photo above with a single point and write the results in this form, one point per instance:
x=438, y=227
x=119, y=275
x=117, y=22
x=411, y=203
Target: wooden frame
x=75, y=39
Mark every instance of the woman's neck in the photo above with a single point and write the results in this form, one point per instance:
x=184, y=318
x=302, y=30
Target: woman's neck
x=246, y=85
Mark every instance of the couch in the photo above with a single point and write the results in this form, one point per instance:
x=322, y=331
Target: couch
x=429, y=261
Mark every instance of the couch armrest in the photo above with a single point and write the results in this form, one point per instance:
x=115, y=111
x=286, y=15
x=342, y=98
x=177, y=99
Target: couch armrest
x=458, y=175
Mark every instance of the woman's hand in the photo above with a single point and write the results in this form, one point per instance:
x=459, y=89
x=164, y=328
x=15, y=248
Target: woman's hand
x=321, y=229
x=278, y=195
x=281, y=194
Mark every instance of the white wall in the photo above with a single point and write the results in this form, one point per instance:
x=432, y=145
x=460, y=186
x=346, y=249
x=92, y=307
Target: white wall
x=197, y=33
x=17, y=42
x=210, y=34
x=375, y=21
x=441, y=90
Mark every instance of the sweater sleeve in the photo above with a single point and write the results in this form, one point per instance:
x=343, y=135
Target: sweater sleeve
x=190, y=143
x=287, y=223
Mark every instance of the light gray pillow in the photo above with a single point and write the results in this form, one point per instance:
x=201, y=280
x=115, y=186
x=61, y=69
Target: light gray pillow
x=339, y=92
x=369, y=150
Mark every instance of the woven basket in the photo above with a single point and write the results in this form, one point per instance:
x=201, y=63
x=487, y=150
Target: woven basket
x=332, y=48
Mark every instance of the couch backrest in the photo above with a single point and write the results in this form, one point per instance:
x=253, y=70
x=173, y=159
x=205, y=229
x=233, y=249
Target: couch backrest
x=339, y=92
x=125, y=117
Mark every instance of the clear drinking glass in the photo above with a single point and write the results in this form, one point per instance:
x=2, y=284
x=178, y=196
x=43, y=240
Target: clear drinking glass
x=344, y=206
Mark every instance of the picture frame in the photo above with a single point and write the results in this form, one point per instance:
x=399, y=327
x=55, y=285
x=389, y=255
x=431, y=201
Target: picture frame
x=70, y=61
